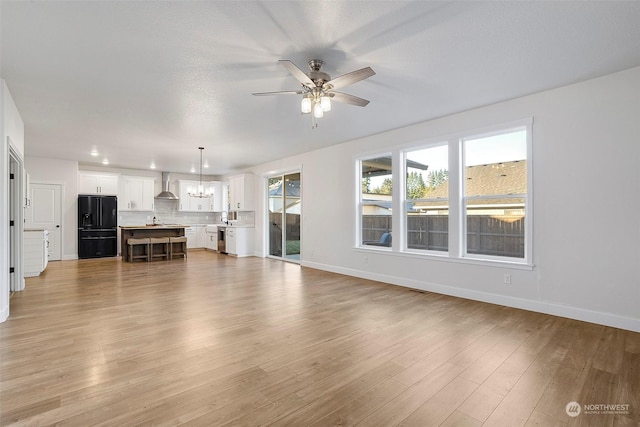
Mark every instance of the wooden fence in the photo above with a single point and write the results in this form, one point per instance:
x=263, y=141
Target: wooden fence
x=485, y=234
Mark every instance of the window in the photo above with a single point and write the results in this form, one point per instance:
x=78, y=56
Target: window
x=467, y=197
x=376, y=200
x=427, y=198
x=495, y=194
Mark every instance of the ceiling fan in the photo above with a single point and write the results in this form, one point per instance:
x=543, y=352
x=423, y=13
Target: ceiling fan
x=318, y=89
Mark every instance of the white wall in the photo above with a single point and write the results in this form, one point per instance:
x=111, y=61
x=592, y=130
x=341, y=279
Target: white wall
x=65, y=172
x=586, y=152
x=11, y=126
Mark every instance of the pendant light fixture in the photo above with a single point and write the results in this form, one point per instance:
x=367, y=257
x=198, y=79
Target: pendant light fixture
x=199, y=191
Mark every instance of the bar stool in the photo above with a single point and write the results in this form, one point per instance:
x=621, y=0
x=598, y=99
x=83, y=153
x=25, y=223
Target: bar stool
x=182, y=246
x=133, y=243
x=163, y=251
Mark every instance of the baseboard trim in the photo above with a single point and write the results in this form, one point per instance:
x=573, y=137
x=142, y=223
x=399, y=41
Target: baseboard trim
x=4, y=314
x=576, y=313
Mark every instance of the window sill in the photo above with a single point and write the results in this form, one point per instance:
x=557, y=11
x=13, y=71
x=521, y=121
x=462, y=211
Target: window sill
x=515, y=265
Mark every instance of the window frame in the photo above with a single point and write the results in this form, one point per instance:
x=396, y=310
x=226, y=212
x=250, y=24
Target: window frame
x=360, y=205
x=525, y=125
x=405, y=200
x=457, y=251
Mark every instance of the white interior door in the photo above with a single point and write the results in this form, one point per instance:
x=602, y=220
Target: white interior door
x=46, y=212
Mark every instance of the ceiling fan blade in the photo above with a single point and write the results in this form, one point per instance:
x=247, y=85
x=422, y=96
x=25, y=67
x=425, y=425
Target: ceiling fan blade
x=297, y=73
x=349, y=78
x=282, y=92
x=348, y=99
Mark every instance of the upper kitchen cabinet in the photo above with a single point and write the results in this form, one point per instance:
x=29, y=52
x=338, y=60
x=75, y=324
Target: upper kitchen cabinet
x=241, y=193
x=136, y=193
x=188, y=203
x=216, y=201
x=97, y=183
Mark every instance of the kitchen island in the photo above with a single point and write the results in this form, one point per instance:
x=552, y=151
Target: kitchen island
x=139, y=231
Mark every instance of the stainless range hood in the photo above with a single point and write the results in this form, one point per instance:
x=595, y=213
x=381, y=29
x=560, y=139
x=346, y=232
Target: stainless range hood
x=166, y=194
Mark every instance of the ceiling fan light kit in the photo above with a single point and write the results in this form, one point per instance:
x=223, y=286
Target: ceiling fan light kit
x=318, y=88
x=199, y=191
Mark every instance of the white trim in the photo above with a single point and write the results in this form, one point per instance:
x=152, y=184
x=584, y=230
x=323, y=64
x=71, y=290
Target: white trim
x=494, y=130
x=18, y=206
x=265, y=212
x=486, y=132
x=358, y=195
x=545, y=307
x=456, y=201
x=511, y=263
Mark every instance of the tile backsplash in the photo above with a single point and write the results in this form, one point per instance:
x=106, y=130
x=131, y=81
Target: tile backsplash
x=166, y=212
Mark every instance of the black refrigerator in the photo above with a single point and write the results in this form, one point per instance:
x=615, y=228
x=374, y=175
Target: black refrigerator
x=97, y=226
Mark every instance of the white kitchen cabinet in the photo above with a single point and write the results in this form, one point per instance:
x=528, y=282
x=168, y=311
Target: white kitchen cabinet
x=94, y=183
x=218, y=196
x=36, y=252
x=195, y=236
x=211, y=238
x=239, y=241
x=200, y=204
x=231, y=244
x=184, y=202
x=190, y=234
x=188, y=203
x=136, y=194
x=241, y=193
x=200, y=236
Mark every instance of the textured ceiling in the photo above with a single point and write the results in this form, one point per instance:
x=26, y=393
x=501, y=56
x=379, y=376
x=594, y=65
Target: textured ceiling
x=145, y=81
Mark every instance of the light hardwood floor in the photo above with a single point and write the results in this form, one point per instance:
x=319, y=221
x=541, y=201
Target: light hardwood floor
x=216, y=340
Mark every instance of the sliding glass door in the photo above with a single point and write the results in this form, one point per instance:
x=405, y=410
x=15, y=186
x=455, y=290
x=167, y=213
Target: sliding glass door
x=284, y=205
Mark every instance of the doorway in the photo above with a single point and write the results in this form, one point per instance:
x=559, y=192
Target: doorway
x=16, y=202
x=46, y=212
x=283, y=209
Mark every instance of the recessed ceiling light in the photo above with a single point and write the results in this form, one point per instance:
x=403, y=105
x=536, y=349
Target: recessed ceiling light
x=153, y=166
x=94, y=153
x=105, y=162
x=206, y=165
x=193, y=170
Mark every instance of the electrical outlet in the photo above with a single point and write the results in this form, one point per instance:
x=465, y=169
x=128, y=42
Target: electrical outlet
x=506, y=279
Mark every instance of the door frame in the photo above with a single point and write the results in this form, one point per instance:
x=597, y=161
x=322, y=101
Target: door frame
x=266, y=225
x=16, y=214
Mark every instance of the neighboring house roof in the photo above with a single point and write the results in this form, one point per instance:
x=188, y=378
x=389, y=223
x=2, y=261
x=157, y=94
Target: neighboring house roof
x=480, y=180
x=486, y=180
x=494, y=178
